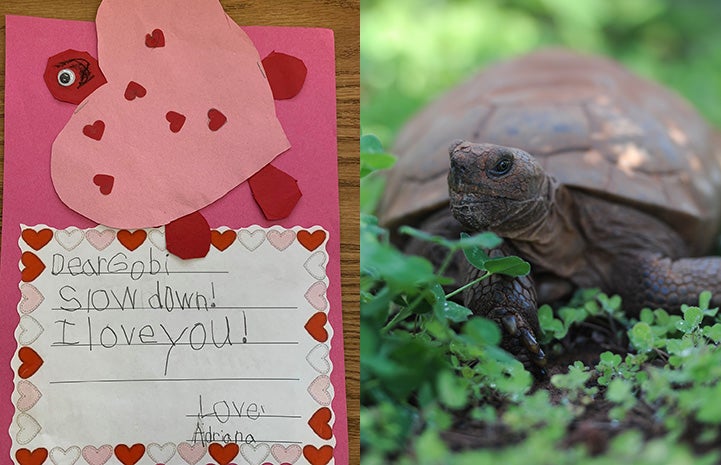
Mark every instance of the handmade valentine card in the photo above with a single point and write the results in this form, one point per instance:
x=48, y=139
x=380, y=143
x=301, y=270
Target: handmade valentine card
x=170, y=243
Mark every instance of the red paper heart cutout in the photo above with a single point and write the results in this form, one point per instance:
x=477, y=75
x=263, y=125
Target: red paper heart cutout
x=132, y=240
x=31, y=362
x=223, y=454
x=176, y=120
x=275, y=191
x=95, y=130
x=73, y=63
x=318, y=456
x=316, y=327
x=155, y=39
x=216, y=119
x=33, y=266
x=188, y=236
x=37, y=239
x=222, y=240
x=285, y=73
x=319, y=423
x=134, y=90
x=129, y=455
x=28, y=457
x=104, y=182
x=311, y=240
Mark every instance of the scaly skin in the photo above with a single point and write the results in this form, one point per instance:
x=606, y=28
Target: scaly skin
x=655, y=281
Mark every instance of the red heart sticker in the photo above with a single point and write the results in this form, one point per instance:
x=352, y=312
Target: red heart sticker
x=28, y=457
x=318, y=456
x=311, y=240
x=31, y=362
x=33, y=267
x=316, y=327
x=132, y=240
x=176, y=120
x=129, y=455
x=95, y=130
x=223, y=454
x=134, y=90
x=222, y=240
x=319, y=423
x=37, y=239
x=155, y=39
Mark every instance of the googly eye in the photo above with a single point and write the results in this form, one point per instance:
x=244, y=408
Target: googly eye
x=66, y=77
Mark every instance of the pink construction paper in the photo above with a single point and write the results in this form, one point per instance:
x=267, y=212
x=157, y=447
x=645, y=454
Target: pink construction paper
x=207, y=62
x=33, y=118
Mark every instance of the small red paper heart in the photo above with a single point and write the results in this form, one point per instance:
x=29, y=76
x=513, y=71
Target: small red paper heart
x=316, y=327
x=155, y=39
x=95, y=130
x=31, y=362
x=319, y=423
x=318, y=456
x=188, y=236
x=129, y=455
x=37, y=239
x=223, y=454
x=132, y=240
x=217, y=119
x=33, y=267
x=134, y=90
x=286, y=74
x=176, y=120
x=275, y=191
x=28, y=457
x=311, y=240
x=104, y=182
x=222, y=240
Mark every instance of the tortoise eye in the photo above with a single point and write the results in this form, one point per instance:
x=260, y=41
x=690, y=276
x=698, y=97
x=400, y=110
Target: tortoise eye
x=503, y=166
x=66, y=77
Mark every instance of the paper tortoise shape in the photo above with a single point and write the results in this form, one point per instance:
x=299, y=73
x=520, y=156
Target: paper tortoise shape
x=181, y=113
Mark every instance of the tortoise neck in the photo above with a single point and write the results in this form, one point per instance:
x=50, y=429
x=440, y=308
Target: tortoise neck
x=544, y=220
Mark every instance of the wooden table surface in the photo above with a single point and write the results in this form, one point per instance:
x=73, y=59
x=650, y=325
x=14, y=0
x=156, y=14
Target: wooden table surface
x=343, y=16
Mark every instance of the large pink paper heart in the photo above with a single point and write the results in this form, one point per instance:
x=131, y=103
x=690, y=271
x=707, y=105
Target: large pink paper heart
x=191, y=454
x=97, y=456
x=227, y=132
x=29, y=395
x=31, y=298
x=315, y=295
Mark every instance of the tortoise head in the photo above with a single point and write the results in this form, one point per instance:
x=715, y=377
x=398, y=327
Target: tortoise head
x=496, y=188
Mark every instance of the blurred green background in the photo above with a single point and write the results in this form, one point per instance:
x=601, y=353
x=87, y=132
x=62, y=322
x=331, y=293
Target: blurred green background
x=411, y=50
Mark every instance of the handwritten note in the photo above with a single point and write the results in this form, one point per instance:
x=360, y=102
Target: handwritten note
x=125, y=351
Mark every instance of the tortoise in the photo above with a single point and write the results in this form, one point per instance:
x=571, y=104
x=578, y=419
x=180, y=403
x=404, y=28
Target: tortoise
x=597, y=177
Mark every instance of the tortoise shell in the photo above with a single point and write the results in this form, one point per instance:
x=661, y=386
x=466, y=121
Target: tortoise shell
x=592, y=124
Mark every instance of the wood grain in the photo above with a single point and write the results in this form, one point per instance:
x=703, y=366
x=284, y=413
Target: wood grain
x=343, y=17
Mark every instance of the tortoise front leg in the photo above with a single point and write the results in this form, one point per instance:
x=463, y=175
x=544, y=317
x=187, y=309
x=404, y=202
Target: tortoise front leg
x=512, y=304
x=656, y=281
